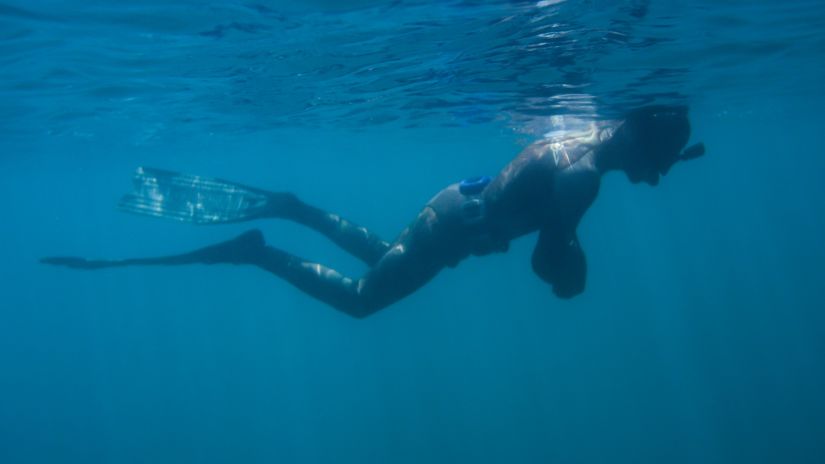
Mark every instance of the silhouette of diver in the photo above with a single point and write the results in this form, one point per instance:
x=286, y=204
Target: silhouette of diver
x=546, y=188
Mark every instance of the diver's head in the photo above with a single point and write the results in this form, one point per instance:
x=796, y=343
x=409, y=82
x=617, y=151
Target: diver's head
x=651, y=140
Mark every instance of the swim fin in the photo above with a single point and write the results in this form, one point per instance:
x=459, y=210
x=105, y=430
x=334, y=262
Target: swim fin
x=243, y=249
x=195, y=199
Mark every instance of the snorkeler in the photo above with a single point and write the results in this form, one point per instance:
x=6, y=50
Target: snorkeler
x=546, y=188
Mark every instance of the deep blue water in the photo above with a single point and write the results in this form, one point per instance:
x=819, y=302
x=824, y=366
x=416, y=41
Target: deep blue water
x=700, y=338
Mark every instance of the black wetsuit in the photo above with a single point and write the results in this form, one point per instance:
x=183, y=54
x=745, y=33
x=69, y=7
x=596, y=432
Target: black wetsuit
x=547, y=188
x=518, y=201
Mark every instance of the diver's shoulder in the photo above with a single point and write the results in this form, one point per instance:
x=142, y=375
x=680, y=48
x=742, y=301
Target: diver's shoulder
x=570, y=150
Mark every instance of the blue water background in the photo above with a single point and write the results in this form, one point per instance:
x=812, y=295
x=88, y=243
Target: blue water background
x=700, y=338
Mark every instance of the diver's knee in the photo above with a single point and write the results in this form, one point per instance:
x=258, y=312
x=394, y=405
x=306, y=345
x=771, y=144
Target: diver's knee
x=366, y=308
x=367, y=302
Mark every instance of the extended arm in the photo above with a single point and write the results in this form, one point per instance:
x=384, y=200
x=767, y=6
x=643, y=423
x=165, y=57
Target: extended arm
x=558, y=258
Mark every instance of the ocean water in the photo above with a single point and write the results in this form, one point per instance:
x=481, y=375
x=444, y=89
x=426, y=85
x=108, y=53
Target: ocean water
x=700, y=337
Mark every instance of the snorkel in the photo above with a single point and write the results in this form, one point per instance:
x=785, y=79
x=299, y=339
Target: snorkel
x=692, y=152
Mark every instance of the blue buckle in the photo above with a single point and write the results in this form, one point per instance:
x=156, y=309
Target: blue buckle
x=474, y=185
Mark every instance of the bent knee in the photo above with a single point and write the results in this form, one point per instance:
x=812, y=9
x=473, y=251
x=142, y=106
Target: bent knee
x=362, y=313
x=364, y=309
x=367, y=301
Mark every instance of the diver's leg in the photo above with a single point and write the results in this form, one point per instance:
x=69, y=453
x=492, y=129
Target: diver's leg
x=354, y=239
x=399, y=273
x=412, y=261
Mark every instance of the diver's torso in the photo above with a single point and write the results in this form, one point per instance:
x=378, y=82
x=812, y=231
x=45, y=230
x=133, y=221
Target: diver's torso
x=521, y=197
x=465, y=226
x=486, y=222
x=530, y=191
x=526, y=196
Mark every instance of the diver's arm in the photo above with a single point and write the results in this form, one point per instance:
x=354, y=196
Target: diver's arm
x=558, y=258
x=560, y=262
